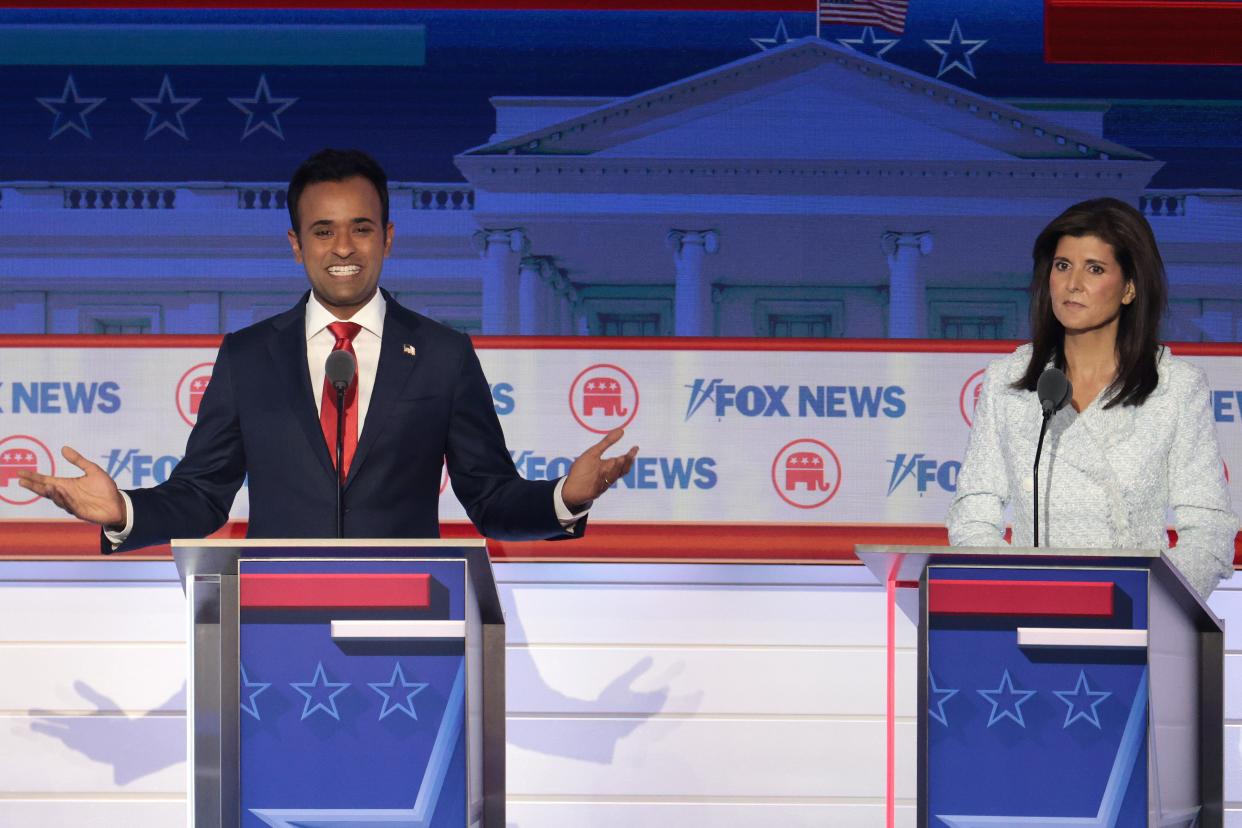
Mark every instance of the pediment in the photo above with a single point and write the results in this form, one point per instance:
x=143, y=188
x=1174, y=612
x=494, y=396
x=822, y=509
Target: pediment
x=809, y=100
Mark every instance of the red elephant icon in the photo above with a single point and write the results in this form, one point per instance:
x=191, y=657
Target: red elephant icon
x=604, y=394
x=198, y=387
x=15, y=460
x=805, y=467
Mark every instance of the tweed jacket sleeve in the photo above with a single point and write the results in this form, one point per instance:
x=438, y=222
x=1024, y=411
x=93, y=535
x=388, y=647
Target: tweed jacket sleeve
x=977, y=514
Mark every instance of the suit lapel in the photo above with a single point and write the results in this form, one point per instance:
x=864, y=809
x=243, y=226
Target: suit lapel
x=288, y=351
x=391, y=376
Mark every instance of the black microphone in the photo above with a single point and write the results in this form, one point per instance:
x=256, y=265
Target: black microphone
x=340, y=369
x=1054, y=391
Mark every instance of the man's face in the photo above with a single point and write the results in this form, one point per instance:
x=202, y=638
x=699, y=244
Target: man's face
x=341, y=242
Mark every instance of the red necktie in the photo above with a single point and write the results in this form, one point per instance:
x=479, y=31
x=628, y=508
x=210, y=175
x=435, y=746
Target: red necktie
x=344, y=333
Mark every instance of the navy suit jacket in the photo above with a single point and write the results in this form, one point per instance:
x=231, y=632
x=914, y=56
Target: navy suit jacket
x=258, y=419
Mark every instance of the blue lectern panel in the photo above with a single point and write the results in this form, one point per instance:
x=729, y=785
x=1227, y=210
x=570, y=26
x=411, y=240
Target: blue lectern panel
x=348, y=731
x=1032, y=736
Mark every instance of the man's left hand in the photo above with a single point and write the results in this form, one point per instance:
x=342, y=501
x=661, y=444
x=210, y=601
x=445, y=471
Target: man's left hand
x=592, y=473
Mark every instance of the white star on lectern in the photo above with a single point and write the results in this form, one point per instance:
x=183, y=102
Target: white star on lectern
x=166, y=110
x=70, y=110
x=320, y=682
x=398, y=686
x=955, y=51
x=263, y=111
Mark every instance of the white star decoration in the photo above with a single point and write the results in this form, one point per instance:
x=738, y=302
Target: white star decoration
x=868, y=44
x=955, y=51
x=166, y=110
x=70, y=110
x=263, y=111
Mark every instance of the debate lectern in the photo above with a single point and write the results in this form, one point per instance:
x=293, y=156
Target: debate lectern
x=352, y=683
x=1073, y=687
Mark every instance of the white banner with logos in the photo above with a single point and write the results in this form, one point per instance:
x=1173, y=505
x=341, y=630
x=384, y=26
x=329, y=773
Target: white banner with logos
x=725, y=435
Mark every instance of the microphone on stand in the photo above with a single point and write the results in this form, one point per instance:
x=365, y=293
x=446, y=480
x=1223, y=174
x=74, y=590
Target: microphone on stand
x=340, y=369
x=1054, y=391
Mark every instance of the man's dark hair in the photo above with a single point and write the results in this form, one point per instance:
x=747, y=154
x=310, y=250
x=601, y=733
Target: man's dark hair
x=1138, y=326
x=336, y=165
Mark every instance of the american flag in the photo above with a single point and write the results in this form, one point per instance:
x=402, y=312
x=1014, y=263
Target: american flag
x=888, y=14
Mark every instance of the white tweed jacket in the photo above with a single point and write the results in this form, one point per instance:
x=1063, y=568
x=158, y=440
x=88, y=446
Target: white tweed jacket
x=1108, y=478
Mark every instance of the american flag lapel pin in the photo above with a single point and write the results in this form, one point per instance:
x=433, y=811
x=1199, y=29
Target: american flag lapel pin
x=408, y=349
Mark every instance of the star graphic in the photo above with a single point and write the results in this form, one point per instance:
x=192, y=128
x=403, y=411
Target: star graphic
x=1082, y=701
x=263, y=111
x=166, y=110
x=958, y=51
x=70, y=109
x=1006, y=697
x=429, y=789
x=320, y=682
x=779, y=38
x=940, y=695
x=255, y=688
x=1124, y=765
x=385, y=689
x=868, y=43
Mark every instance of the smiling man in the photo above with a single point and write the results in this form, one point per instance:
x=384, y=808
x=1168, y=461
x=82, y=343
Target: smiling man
x=418, y=399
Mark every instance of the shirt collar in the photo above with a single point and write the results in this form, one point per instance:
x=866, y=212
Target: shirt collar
x=370, y=316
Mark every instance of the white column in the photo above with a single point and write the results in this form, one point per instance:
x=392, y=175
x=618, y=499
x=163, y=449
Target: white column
x=551, y=321
x=907, y=289
x=532, y=296
x=692, y=304
x=502, y=251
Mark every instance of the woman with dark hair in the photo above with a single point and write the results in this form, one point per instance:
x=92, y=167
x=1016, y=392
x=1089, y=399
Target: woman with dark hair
x=1137, y=439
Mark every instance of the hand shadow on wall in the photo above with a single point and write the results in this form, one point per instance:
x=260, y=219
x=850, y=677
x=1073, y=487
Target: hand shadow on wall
x=615, y=713
x=109, y=736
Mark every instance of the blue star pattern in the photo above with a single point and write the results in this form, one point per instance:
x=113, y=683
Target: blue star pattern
x=263, y=111
x=166, y=110
x=1082, y=701
x=780, y=37
x=1006, y=701
x=420, y=815
x=254, y=688
x=408, y=690
x=326, y=703
x=70, y=110
x=955, y=51
x=1114, y=790
x=868, y=43
x=939, y=696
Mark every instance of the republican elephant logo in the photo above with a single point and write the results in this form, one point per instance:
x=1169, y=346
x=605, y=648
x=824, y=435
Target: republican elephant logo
x=968, y=400
x=21, y=452
x=190, y=390
x=805, y=468
x=603, y=397
x=806, y=473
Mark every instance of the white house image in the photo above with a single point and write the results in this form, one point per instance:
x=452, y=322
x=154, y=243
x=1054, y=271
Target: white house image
x=803, y=191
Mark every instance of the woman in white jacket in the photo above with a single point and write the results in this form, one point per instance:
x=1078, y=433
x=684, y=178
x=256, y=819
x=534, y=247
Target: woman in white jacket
x=1137, y=440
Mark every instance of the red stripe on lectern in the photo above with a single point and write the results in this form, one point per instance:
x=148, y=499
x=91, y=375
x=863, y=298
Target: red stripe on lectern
x=1068, y=598
x=1143, y=31
x=386, y=590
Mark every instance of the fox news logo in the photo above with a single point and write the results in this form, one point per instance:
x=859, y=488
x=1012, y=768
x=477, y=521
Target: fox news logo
x=21, y=452
x=62, y=397
x=136, y=469
x=806, y=401
x=673, y=473
x=925, y=472
x=1227, y=406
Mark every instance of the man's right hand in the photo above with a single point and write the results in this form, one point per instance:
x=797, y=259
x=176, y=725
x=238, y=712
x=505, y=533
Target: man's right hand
x=93, y=497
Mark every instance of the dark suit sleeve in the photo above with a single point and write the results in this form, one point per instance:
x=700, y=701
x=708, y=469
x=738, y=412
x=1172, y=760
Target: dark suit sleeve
x=196, y=498
x=501, y=504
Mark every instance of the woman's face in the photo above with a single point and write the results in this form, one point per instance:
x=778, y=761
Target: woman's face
x=1086, y=285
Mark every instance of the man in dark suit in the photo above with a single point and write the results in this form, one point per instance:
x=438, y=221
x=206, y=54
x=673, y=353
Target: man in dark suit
x=419, y=398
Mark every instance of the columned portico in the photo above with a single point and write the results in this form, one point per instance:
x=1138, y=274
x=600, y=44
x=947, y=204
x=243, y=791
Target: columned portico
x=692, y=303
x=907, y=286
x=534, y=296
x=502, y=251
